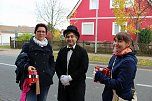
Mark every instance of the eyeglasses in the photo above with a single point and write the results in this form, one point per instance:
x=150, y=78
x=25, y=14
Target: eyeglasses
x=41, y=31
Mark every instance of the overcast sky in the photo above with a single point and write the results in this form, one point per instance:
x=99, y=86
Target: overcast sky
x=22, y=12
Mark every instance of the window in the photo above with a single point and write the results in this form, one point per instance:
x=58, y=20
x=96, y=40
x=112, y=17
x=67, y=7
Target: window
x=129, y=3
x=94, y=4
x=116, y=28
x=88, y=28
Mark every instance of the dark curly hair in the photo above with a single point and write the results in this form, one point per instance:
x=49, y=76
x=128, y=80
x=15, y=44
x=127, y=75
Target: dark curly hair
x=40, y=25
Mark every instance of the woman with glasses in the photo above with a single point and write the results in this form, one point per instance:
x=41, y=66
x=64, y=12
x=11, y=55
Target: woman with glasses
x=37, y=55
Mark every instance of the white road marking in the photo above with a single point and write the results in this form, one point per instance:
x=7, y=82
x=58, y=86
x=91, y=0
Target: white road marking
x=91, y=78
x=142, y=85
x=7, y=64
x=106, y=66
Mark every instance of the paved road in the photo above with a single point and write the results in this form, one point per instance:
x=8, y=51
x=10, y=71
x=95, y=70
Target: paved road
x=9, y=90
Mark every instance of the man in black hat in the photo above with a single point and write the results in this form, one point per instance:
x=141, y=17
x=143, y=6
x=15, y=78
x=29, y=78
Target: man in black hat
x=71, y=67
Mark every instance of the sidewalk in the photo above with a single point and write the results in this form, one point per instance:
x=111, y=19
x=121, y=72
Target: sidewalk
x=109, y=55
x=15, y=52
x=10, y=52
x=144, y=62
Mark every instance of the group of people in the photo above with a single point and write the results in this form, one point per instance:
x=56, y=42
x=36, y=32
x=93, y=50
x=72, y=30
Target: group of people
x=71, y=66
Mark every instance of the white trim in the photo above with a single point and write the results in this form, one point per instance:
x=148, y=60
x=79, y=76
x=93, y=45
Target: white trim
x=111, y=4
x=91, y=23
x=92, y=18
x=74, y=9
x=113, y=28
x=91, y=3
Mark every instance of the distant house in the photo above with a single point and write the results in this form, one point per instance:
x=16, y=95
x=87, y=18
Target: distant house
x=11, y=31
x=84, y=16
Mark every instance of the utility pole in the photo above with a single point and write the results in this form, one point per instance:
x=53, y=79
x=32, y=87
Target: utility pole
x=16, y=35
x=96, y=30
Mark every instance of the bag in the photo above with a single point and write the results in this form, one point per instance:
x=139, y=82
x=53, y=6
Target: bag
x=134, y=95
x=105, y=70
x=33, y=78
x=20, y=62
x=21, y=74
x=117, y=98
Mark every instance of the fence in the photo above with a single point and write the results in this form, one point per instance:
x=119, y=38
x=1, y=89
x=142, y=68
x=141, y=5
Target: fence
x=102, y=47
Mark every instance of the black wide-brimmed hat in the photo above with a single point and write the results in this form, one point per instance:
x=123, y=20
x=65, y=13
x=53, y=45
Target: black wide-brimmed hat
x=73, y=29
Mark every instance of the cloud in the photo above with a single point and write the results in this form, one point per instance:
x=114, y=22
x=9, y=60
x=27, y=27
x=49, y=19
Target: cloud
x=23, y=12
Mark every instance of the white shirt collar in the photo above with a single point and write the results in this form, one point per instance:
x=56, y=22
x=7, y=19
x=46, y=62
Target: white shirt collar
x=72, y=46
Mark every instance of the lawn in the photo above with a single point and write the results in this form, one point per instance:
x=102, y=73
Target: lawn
x=5, y=46
x=104, y=59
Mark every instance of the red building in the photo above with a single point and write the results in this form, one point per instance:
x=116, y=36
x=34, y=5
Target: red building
x=85, y=15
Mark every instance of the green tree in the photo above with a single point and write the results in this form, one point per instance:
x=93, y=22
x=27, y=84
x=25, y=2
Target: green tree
x=120, y=13
x=24, y=37
x=57, y=35
x=145, y=36
x=133, y=15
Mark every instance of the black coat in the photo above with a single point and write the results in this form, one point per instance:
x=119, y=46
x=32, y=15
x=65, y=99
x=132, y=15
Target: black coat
x=42, y=59
x=78, y=66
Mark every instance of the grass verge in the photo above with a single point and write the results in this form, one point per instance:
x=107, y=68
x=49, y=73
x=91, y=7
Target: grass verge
x=104, y=59
x=5, y=47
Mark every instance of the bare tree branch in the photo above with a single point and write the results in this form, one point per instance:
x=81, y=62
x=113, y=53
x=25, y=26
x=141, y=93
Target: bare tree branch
x=52, y=11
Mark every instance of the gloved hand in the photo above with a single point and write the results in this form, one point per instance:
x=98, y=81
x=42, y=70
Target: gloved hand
x=97, y=76
x=94, y=71
x=65, y=79
x=100, y=77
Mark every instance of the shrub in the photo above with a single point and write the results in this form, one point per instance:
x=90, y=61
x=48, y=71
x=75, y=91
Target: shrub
x=145, y=36
x=24, y=37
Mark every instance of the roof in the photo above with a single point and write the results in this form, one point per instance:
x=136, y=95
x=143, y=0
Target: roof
x=14, y=29
x=150, y=2
x=74, y=9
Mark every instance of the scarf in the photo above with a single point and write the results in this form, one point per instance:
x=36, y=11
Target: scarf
x=125, y=51
x=25, y=89
x=40, y=43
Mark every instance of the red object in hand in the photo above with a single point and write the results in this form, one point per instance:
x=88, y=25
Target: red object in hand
x=105, y=70
x=32, y=77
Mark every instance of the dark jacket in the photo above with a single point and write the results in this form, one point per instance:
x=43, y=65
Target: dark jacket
x=78, y=66
x=21, y=73
x=123, y=75
x=41, y=58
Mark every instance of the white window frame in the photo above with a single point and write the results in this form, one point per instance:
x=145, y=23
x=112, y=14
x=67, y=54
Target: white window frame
x=113, y=28
x=127, y=6
x=111, y=1
x=91, y=7
x=90, y=33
